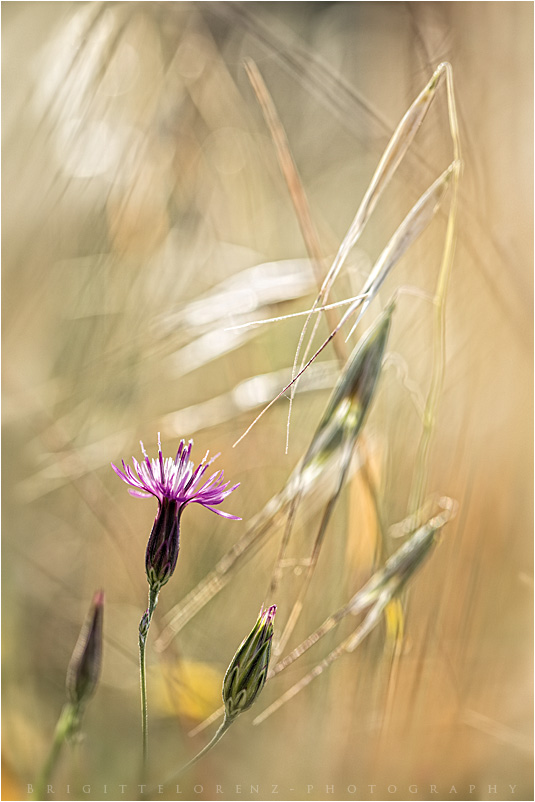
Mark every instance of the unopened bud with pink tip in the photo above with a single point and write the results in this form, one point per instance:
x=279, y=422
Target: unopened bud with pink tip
x=247, y=672
x=84, y=668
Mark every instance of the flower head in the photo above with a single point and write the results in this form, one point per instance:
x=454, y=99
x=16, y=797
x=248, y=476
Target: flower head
x=175, y=483
x=177, y=479
x=247, y=672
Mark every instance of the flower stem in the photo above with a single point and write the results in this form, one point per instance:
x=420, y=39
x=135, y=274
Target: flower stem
x=143, y=699
x=144, y=625
x=217, y=737
x=66, y=725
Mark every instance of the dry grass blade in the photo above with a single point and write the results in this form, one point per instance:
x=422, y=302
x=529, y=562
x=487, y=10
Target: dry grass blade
x=193, y=333
x=280, y=318
x=245, y=396
x=243, y=293
x=207, y=721
x=297, y=194
x=407, y=232
x=410, y=229
x=293, y=180
x=377, y=593
x=390, y=160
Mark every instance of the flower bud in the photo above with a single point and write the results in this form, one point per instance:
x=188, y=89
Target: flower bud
x=247, y=672
x=164, y=542
x=84, y=668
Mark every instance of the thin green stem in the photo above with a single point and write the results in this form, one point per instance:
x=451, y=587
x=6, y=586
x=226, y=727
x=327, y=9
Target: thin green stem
x=143, y=633
x=143, y=680
x=225, y=724
x=66, y=725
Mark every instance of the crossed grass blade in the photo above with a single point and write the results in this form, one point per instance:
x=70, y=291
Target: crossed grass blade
x=415, y=222
x=408, y=231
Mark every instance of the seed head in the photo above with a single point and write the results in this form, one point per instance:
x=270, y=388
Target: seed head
x=353, y=394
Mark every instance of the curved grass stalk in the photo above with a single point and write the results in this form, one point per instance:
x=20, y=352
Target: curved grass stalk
x=410, y=229
x=224, y=726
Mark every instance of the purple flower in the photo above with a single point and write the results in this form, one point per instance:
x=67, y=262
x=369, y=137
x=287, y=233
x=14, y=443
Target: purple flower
x=175, y=483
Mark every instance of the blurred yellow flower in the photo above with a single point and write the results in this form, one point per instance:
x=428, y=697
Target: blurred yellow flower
x=186, y=688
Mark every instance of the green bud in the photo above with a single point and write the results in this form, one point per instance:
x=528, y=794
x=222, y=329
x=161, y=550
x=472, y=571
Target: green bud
x=247, y=672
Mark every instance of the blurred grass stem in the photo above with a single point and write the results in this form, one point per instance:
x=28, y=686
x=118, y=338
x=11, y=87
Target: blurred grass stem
x=67, y=724
x=439, y=319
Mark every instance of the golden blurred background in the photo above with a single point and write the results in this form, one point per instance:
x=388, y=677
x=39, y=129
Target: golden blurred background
x=144, y=212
